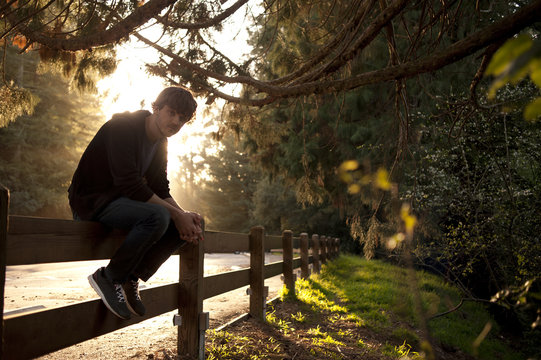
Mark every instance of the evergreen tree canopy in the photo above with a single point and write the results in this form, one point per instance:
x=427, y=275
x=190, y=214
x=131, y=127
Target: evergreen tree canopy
x=420, y=37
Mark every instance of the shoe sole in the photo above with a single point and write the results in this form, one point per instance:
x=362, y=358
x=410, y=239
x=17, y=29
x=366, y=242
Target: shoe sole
x=97, y=289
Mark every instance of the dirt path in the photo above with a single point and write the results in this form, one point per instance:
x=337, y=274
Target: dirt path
x=38, y=286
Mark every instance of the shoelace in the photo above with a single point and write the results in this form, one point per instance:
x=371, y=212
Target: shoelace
x=135, y=285
x=119, y=293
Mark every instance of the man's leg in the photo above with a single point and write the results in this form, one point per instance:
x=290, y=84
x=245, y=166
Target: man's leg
x=146, y=224
x=158, y=253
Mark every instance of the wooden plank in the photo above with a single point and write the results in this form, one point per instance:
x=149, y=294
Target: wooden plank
x=273, y=242
x=191, y=338
x=33, y=240
x=287, y=245
x=221, y=283
x=315, y=253
x=4, y=210
x=224, y=242
x=273, y=269
x=257, y=280
x=304, y=255
x=34, y=334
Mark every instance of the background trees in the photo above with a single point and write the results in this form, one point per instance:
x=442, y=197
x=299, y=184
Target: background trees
x=39, y=152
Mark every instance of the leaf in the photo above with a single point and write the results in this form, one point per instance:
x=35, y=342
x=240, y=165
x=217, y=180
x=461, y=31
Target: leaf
x=510, y=62
x=382, y=179
x=532, y=111
x=408, y=219
x=507, y=53
x=349, y=165
x=535, y=75
x=19, y=41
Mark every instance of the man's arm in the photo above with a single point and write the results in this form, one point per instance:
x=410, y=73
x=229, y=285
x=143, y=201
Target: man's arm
x=188, y=224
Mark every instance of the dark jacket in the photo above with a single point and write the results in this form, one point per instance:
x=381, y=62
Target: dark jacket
x=112, y=167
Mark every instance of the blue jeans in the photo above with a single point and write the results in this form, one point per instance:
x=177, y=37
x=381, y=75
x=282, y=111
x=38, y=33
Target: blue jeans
x=152, y=238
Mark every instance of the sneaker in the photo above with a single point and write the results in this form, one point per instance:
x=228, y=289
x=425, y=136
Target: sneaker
x=111, y=294
x=131, y=290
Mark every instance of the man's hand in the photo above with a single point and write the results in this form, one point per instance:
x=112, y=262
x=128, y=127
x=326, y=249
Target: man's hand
x=188, y=225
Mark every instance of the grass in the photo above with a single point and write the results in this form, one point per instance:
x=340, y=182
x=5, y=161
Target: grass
x=364, y=307
x=380, y=293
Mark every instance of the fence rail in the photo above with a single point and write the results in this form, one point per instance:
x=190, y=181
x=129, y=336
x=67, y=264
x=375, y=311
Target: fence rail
x=32, y=240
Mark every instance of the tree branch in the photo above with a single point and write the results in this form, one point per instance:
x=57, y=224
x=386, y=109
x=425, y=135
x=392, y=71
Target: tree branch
x=204, y=24
x=501, y=30
x=120, y=30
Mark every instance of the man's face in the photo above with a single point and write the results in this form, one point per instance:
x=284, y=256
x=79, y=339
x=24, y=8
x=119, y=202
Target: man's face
x=169, y=122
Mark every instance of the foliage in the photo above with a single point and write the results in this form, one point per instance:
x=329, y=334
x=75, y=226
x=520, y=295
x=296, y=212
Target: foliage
x=14, y=102
x=518, y=58
x=221, y=186
x=39, y=152
x=226, y=180
x=320, y=40
x=478, y=197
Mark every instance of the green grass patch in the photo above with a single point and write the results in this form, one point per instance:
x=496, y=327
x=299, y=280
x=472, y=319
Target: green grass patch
x=358, y=308
x=225, y=345
x=379, y=294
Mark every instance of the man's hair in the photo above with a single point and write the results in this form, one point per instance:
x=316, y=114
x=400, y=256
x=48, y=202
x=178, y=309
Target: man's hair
x=177, y=98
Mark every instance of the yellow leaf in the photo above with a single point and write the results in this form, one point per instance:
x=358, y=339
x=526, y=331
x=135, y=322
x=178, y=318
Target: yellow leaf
x=349, y=165
x=346, y=177
x=535, y=75
x=408, y=219
x=366, y=179
x=508, y=52
x=354, y=189
x=382, y=179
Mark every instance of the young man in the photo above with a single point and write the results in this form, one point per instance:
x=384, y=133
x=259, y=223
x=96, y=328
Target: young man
x=121, y=181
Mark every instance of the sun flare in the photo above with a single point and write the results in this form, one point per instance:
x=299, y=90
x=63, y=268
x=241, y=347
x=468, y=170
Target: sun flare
x=130, y=88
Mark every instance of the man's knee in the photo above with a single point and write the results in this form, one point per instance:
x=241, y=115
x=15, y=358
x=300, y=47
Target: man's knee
x=160, y=217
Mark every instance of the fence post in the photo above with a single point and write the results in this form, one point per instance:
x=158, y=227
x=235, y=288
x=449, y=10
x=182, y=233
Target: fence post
x=323, y=244
x=4, y=209
x=287, y=245
x=315, y=252
x=304, y=256
x=194, y=323
x=257, y=274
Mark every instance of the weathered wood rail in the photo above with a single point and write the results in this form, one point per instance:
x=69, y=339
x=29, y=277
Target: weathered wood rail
x=31, y=240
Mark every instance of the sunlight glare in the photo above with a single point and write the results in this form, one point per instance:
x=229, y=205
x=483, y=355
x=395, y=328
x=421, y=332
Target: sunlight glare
x=130, y=88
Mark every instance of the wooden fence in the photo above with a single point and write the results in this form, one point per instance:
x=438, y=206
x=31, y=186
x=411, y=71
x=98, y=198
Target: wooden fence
x=31, y=240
